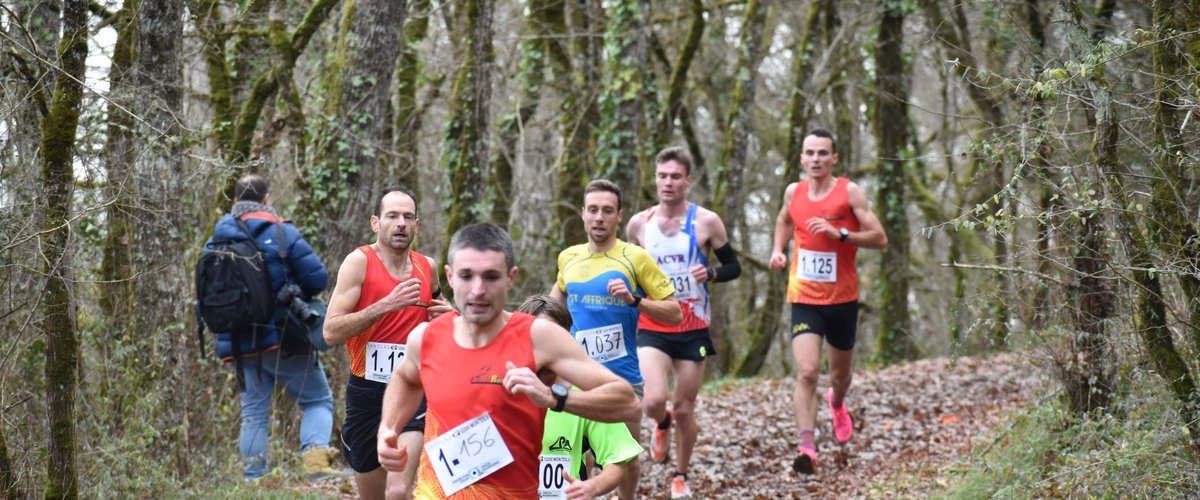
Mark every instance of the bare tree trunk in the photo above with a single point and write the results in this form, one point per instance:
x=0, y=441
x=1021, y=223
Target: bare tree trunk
x=891, y=131
x=57, y=310
x=9, y=487
x=531, y=77
x=1087, y=373
x=408, y=112
x=579, y=114
x=116, y=294
x=465, y=148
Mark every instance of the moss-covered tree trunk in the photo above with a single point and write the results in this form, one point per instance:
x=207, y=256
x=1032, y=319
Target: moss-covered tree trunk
x=891, y=126
x=116, y=293
x=57, y=311
x=345, y=175
x=628, y=81
x=1173, y=224
x=532, y=72
x=677, y=86
x=766, y=321
x=9, y=487
x=409, y=74
x=465, y=147
x=578, y=76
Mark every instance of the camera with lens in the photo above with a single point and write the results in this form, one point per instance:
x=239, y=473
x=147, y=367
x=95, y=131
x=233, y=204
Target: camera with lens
x=289, y=296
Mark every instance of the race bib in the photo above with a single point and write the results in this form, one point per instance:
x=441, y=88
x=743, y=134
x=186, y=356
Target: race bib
x=603, y=344
x=550, y=475
x=467, y=453
x=816, y=266
x=685, y=285
x=382, y=359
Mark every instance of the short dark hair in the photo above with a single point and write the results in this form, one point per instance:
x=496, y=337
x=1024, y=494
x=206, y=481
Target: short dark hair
x=250, y=188
x=675, y=153
x=392, y=189
x=482, y=237
x=824, y=133
x=604, y=185
x=550, y=306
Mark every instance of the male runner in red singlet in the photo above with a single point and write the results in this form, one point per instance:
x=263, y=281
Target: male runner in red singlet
x=829, y=219
x=384, y=290
x=679, y=235
x=477, y=370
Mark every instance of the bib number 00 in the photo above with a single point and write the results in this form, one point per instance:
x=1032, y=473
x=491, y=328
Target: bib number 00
x=467, y=453
x=550, y=475
x=816, y=266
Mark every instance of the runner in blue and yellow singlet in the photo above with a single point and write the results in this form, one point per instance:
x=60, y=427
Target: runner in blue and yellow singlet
x=606, y=283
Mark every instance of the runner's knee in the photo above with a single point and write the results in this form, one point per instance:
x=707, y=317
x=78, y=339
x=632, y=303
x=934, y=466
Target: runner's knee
x=807, y=374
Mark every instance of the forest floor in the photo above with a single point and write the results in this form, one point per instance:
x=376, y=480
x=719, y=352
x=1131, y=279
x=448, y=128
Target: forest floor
x=911, y=421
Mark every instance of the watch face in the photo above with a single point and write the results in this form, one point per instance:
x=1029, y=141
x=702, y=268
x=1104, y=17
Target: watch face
x=558, y=390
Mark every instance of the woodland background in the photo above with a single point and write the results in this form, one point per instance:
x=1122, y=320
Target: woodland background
x=1034, y=163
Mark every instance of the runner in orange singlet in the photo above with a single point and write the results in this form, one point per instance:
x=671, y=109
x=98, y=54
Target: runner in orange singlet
x=829, y=218
x=384, y=290
x=486, y=405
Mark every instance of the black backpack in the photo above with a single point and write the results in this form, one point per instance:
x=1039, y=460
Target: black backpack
x=233, y=289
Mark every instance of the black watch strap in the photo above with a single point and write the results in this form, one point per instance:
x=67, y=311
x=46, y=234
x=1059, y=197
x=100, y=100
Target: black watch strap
x=636, y=300
x=560, y=400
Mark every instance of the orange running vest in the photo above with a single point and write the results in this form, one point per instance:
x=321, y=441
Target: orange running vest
x=392, y=328
x=461, y=384
x=835, y=208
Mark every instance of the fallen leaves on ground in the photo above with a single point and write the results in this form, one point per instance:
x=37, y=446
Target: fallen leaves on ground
x=917, y=417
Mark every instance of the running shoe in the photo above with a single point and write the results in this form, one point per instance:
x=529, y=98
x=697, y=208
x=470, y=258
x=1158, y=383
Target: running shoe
x=679, y=487
x=805, y=462
x=661, y=442
x=843, y=426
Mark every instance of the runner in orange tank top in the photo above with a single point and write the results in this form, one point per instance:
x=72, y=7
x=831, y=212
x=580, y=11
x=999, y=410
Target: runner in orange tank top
x=384, y=290
x=486, y=405
x=828, y=218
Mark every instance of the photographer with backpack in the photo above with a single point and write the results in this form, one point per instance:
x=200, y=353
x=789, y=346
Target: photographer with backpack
x=256, y=270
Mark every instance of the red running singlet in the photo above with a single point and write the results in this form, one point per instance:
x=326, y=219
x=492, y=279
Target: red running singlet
x=461, y=384
x=823, y=270
x=394, y=327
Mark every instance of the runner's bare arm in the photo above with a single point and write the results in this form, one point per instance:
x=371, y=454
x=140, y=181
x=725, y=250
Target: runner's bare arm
x=784, y=227
x=341, y=322
x=870, y=233
x=439, y=305
x=605, y=397
x=603, y=483
x=633, y=230
x=400, y=401
x=712, y=235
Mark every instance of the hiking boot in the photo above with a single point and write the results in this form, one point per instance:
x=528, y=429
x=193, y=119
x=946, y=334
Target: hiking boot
x=679, y=486
x=661, y=442
x=805, y=462
x=843, y=426
x=318, y=464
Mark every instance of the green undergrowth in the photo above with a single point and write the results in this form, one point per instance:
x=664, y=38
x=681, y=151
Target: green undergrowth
x=1136, y=450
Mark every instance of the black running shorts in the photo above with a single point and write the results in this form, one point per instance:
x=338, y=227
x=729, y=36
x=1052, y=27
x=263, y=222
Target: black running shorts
x=837, y=322
x=364, y=407
x=694, y=345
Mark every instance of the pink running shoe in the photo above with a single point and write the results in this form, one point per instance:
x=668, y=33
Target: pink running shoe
x=661, y=442
x=843, y=426
x=805, y=462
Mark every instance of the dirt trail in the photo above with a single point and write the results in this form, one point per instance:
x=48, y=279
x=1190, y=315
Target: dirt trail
x=916, y=417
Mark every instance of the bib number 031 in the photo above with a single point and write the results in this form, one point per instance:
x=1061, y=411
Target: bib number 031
x=467, y=453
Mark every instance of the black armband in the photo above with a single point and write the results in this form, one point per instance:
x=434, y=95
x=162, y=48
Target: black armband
x=730, y=268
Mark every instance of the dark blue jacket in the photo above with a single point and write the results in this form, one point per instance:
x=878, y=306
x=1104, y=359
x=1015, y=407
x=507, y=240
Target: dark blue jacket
x=302, y=267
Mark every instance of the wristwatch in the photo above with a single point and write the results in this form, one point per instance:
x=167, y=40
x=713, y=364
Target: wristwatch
x=636, y=300
x=560, y=396
x=844, y=234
